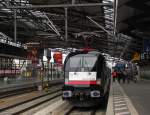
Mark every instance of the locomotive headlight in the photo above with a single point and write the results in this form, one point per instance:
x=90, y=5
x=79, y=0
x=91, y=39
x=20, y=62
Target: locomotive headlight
x=67, y=93
x=95, y=93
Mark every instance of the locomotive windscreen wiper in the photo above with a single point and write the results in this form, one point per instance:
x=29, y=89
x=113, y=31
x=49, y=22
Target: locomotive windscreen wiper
x=89, y=62
x=86, y=63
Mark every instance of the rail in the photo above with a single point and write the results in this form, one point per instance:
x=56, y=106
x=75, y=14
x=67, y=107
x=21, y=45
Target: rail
x=27, y=104
x=25, y=88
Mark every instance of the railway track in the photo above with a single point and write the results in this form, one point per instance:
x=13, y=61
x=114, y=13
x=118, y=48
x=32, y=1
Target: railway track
x=69, y=109
x=60, y=107
x=21, y=89
x=28, y=104
x=85, y=111
x=17, y=92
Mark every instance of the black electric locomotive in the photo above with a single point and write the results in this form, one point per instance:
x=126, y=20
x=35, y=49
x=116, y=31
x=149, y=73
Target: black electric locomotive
x=87, y=78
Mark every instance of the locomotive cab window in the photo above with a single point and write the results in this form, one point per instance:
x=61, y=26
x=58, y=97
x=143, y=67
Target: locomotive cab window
x=89, y=63
x=81, y=63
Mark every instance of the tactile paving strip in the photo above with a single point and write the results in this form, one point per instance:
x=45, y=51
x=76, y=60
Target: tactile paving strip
x=119, y=102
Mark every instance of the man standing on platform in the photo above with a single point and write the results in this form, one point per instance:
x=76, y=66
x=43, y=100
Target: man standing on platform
x=114, y=75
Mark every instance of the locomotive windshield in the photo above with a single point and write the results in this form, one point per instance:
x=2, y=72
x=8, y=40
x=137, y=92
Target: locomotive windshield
x=81, y=63
x=89, y=62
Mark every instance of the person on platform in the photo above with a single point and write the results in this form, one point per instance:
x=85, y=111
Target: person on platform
x=128, y=75
x=114, y=75
x=124, y=76
x=119, y=76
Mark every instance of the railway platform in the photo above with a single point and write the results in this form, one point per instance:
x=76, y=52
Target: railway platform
x=139, y=95
x=25, y=84
x=129, y=99
x=17, y=82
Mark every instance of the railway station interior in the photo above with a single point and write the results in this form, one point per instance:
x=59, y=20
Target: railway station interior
x=74, y=57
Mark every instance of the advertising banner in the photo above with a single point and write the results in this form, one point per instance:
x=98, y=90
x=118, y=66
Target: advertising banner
x=57, y=57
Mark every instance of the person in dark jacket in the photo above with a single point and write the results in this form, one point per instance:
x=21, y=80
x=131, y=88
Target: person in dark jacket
x=119, y=76
x=124, y=76
x=128, y=74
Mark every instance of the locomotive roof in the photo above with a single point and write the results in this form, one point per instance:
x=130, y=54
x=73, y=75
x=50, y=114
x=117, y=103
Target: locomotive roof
x=94, y=53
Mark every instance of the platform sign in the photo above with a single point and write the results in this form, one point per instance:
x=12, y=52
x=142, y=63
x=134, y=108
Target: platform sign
x=146, y=45
x=57, y=57
x=136, y=56
x=146, y=49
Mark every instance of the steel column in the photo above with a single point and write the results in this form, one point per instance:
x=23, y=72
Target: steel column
x=60, y=5
x=66, y=24
x=73, y=1
x=115, y=16
x=15, y=25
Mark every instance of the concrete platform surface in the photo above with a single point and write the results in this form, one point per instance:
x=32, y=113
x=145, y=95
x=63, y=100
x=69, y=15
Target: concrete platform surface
x=119, y=102
x=139, y=94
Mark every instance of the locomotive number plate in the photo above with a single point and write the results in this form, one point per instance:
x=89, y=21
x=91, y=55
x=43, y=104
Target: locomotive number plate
x=82, y=76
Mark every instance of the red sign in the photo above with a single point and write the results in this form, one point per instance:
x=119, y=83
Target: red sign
x=57, y=57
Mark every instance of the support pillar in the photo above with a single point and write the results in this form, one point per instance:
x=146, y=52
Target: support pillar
x=66, y=24
x=15, y=25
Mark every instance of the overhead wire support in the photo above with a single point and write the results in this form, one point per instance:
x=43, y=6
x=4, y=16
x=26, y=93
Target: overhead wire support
x=66, y=24
x=59, y=6
x=115, y=7
x=73, y=1
x=99, y=25
x=115, y=16
x=15, y=25
x=52, y=26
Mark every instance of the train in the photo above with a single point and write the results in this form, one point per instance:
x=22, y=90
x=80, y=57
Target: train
x=87, y=79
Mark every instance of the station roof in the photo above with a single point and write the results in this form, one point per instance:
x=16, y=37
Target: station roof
x=90, y=22
x=133, y=19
